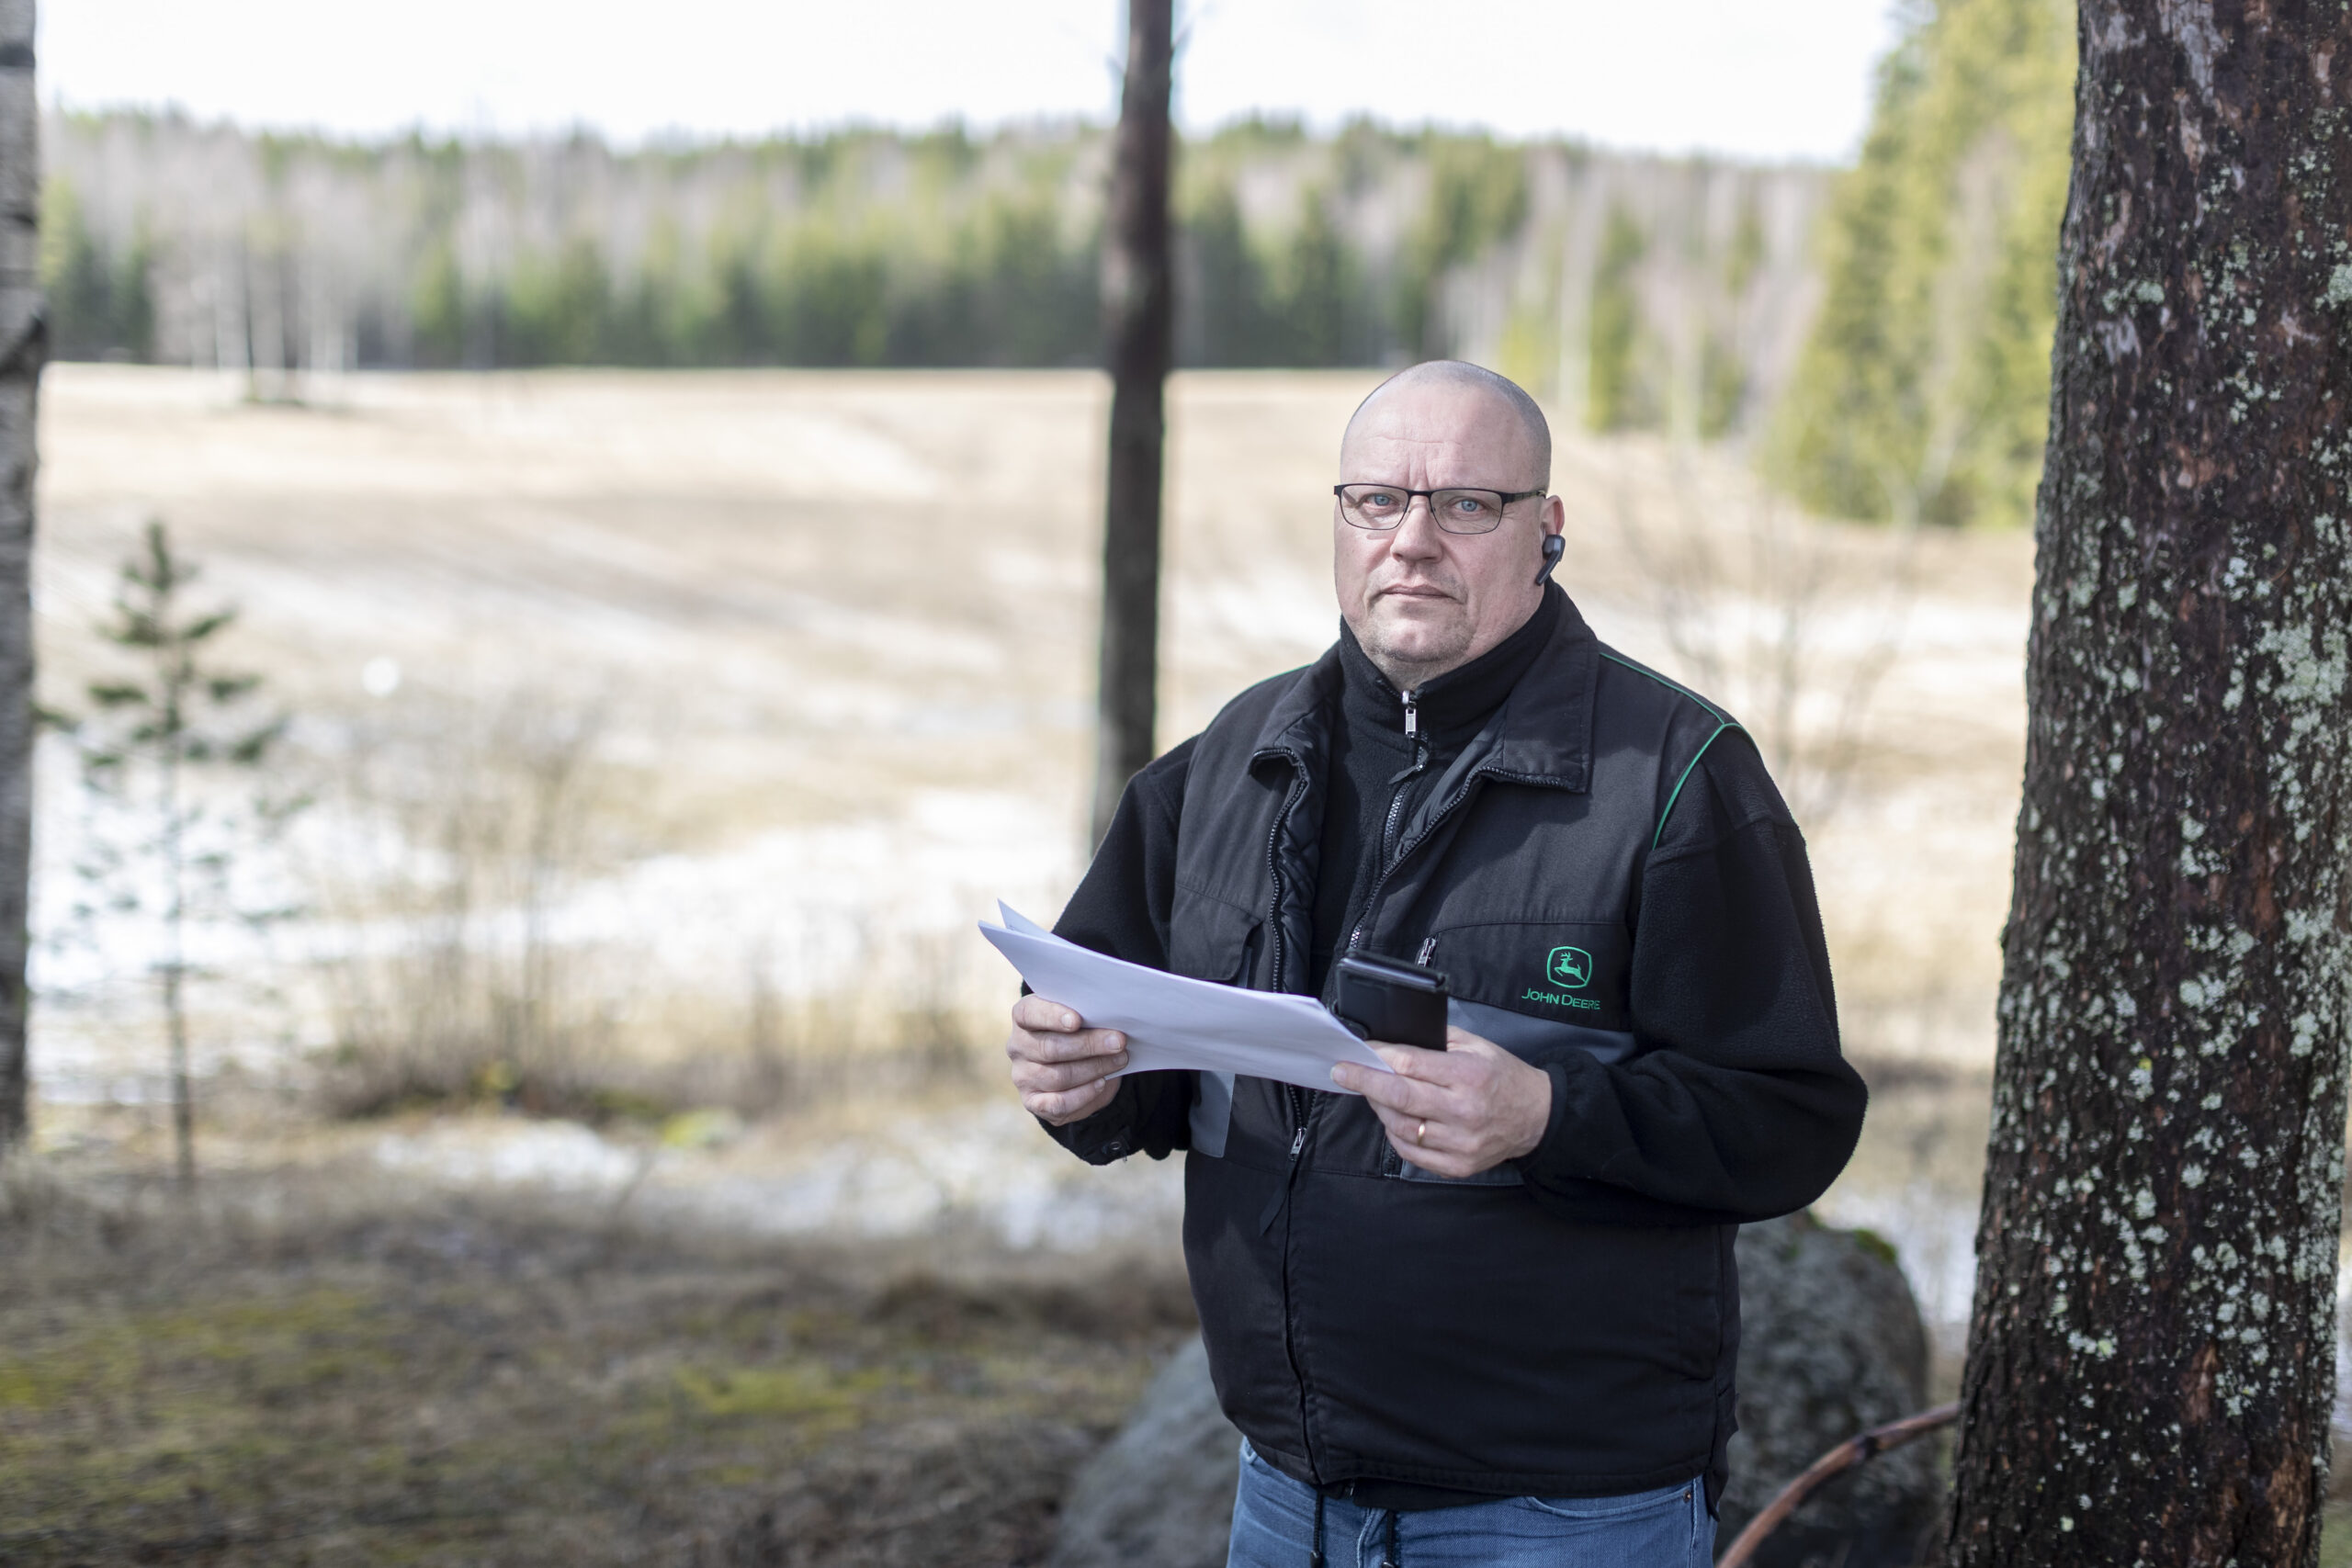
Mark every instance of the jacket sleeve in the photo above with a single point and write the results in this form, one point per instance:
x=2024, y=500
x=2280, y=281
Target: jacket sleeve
x=1736, y=1104
x=1122, y=907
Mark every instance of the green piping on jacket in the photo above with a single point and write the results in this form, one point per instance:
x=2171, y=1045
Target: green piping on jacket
x=1713, y=712
x=1684, y=780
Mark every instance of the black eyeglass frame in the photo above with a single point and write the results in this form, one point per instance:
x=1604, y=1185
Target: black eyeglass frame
x=1503, y=498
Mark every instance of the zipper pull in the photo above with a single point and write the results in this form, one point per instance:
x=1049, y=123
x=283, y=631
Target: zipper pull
x=1413, y=713
x=1429, y=951
x=1290, y=1174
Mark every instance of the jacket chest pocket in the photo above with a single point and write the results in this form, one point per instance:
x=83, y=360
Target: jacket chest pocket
x=1539, y=990
x=1210, y=938
x=1572, y=972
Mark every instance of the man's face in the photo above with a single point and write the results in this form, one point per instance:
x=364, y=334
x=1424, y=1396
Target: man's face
x=1419, y=600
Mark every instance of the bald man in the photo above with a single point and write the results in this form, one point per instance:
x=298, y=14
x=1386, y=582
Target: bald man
x=1484, y=1309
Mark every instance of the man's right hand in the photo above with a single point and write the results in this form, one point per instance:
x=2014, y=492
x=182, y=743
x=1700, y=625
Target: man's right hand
x=1061, y=1067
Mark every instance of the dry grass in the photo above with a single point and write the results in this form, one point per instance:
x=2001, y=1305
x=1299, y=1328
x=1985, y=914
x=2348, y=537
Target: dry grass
x=354, y=1379
x=448, y=875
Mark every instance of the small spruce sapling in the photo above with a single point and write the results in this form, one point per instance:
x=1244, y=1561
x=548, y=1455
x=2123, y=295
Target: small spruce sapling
x=150, y=739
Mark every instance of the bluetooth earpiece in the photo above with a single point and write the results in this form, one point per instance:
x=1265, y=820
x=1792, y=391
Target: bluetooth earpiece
x=1553, y=547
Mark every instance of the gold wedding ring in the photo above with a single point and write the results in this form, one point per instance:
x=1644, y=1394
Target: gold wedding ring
x=1422, y=1133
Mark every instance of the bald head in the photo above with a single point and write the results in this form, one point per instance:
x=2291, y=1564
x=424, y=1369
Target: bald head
x=1510, y=401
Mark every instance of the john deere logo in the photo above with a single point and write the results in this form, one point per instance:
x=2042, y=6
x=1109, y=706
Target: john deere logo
x=1569, y=967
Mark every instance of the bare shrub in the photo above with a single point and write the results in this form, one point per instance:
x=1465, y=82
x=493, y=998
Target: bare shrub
x=457, y=842
x=904, y=1014
x=480, y=945
x=1791, y=622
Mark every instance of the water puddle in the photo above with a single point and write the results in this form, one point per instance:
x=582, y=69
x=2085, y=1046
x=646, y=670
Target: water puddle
x=981, y=1168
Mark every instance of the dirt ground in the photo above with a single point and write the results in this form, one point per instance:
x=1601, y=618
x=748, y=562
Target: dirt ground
x=310, y=1375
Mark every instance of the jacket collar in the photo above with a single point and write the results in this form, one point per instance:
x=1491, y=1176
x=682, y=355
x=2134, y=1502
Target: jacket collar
x=1542, y=735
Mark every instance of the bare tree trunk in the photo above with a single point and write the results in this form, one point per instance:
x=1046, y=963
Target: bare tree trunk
x=2151, y=1360
x=24, y=347
x=1138, y=307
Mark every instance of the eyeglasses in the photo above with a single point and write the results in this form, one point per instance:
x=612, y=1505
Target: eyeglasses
x=1383, y=507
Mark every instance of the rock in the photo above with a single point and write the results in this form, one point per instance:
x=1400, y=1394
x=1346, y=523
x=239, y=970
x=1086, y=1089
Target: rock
x=1830, y=1345
x=1161, y=1494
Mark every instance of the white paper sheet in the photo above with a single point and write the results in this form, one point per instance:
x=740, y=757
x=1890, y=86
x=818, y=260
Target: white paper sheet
x=1171, y=1020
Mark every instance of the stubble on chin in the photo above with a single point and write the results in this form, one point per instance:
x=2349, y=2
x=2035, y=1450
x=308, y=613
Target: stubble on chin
x=1413, y=643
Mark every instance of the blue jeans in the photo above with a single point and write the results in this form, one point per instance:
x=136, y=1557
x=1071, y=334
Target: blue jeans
x=1274, y=1526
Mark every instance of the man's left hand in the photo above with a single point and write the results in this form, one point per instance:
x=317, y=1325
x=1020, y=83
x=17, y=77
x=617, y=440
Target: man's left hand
x=1457, y=1111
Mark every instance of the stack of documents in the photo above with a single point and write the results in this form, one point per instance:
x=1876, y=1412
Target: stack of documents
x=1172, y=1022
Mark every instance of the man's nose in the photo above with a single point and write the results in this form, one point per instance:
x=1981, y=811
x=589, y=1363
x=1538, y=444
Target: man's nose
x=1417, y=537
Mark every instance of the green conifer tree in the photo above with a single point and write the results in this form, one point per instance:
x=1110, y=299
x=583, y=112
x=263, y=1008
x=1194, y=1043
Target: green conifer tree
x=1924, y=389
x=151, y=734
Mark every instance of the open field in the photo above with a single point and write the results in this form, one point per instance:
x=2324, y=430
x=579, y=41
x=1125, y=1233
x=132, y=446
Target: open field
x=834, y=636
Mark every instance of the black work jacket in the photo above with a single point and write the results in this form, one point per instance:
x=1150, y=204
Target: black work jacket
x=1621, y=898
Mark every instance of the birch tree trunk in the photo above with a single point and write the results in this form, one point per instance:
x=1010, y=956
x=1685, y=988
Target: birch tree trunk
x=1137, y=307
x=2151, y=1360
x=24, y=346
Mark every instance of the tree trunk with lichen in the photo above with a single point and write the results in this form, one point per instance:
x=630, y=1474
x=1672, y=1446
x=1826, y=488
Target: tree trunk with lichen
x=2150, y=1361
x=24, y=346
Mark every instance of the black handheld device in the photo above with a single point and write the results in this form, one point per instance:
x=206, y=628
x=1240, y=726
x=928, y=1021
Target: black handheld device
x=1386, y=998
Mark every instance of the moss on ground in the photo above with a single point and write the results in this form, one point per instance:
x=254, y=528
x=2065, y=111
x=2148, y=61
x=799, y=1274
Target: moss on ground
x=463, y=1391
x=2335, y=1535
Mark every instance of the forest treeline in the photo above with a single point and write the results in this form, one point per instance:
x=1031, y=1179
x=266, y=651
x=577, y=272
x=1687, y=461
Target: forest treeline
x=1661, y=290
x=1881, y=332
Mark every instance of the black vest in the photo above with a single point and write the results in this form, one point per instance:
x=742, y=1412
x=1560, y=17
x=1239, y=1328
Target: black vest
x=1364, y=1318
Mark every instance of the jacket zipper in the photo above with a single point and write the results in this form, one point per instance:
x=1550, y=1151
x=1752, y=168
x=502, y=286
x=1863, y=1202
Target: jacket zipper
x=1380, y=882
x=1292, y=1096
x=1300, y=1109
x=1299, y=1106
x=1397, y=804
x=1296, y=1098
x=1274, y=870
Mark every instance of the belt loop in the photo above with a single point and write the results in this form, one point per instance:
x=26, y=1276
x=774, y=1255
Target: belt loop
x=1393, y=1560
x=1315, y=1559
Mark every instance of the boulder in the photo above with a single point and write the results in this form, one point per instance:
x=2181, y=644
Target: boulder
x=1161, y=1494
x=1831, y=1344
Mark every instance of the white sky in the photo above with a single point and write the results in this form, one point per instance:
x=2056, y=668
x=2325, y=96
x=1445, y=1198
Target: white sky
x=1757, y=78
